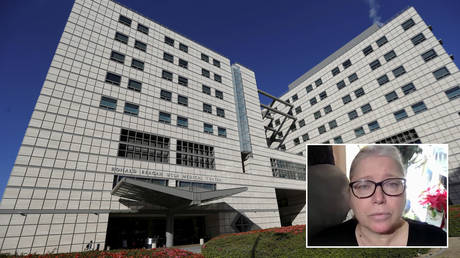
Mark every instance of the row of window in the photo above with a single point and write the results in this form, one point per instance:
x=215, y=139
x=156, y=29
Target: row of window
x=124, y=39
x=194, y=154
x=207, y=90
x=184, y=48
x=170, y=58
x=127, y=21
x=120, y=58
x=380, y=42
x=288, y=169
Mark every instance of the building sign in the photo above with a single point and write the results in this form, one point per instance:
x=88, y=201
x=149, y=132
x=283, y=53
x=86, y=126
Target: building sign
x=161, y=174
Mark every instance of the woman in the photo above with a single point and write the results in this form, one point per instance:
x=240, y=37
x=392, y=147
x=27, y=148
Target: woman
x=377, y=198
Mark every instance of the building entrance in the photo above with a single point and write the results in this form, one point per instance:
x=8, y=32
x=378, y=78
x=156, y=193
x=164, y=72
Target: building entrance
x=132, y=231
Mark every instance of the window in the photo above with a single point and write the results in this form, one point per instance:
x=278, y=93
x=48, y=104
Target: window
x=221, y=132
x=182, y=121
x=332, y=124
x=195, y=155
x=294, y=97
x=409, y=136
x=346, y=64
x=327, y=109
x=277, y=122
x=390, y=55
x=323, y=95
x=317, y=114
x=219, y=94
x=400, y=115
x=408, y=88
x=366, y=108
x=373, y=126
x=381, y=41
x=166, y=95
x=167, y=75
x=419, y=107
x=288, y=101
x=125, y=20
x=359, y=92
x=305, y=137
x=441, y=73
x=134, y=85
x=113, y=78
x=309, y=88
x=296, y=141
x=182, y=100
x=140, y=45
x=108, y=103
x=399, y=71
x=143, y=29
x=182, y=81
x=217, y=78
x=322, y=129
x=368, y=50
x=383, y=79
x=216, y=63
x=375, y=64
x=352, y=115
x=313, y=101
x=318, y=82
x=341, y=85
x=208, y=128
x=346, y=99
x=137, y=64
x=121, y=37
x=428, y=55
x=164, y=118
x=168, y=57
x=338, y=139
x=183, y=47
x=207, y=108
x=335, y=71
x=453, y=93
x=298, y=110
x=419, y=38
x=408, y=24
x=353, y=77
x=359, y=131
x=117, y=57
x=205, y=57
x=391, y=96
x=205, y=73
x=149, y=147
x=220, y=112
x=183, y=63
x=206, y=89
x=293, y=128
x=302, y=123
x=131, y=109
x=169, y=41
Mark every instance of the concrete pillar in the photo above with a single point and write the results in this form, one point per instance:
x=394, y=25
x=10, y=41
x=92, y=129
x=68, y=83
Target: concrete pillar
x=169, y=229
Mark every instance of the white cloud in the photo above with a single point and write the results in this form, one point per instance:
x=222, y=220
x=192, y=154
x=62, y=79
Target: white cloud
x=373, y=12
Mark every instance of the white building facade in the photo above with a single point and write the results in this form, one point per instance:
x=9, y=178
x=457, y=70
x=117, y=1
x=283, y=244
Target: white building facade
x=137, y=129
x=393, y=83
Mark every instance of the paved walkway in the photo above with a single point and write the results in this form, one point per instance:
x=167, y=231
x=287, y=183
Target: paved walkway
x=196, y=248
x=452, y=251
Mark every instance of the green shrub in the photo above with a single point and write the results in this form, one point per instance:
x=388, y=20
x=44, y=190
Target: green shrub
x=289, y=242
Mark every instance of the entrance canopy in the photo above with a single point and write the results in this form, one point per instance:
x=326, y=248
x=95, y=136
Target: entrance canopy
x=167, y=197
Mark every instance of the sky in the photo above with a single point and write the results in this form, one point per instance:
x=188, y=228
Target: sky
x=278, y=40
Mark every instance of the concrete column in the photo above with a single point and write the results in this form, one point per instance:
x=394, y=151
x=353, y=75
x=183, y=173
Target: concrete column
x=169, y=229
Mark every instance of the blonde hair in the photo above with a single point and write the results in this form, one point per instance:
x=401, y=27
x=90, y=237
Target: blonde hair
x=388, y=151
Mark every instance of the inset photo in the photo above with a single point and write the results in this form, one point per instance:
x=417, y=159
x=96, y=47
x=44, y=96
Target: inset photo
x=377, y=195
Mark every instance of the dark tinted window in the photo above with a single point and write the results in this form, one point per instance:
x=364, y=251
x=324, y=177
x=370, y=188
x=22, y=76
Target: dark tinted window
x=204, y=57
x=205, y=72
x=323, y=95
x=166, y=95
x=318, y=82
x=183, y=63
x=121, y=37
x=167, y=75
x=366, y=108
x=182, y=121
x=219, y=94
x=182, y=100
x=352, y=115
x=327, y=109
x=125, y=20
x=346, y=64
x=373, y=126
x=353, y=77
x=346, y=99
x=419, y=38
x=134, y=85
x=390, y=55
x=140, y=45
x=142, y=28
x=332, y=124
x=216, y=62
x=137, y=64
x=131, y=109
x=399, y=71
x=183, y=47
x=359, y=92
x=400, y=115
x=359, y=131
x=383, y=79
x=322, y=129
x=441, y=73
x=317, y=114
x=408, y=24
x=341, y=85
x=108, y=103
x=430, y=54
x=335, y=71
x=113, y=78
x=220, y=112
x=164, y=117
x=368, y=50
x=206, y=89
x=408, y=88
x=117, y=57
x=182, y=81
x=217, y=78
x=375, y=64
x=168, y=57
x=313, y=101
x=382, y=41
x=419, y=107
x=207, y=108
x=169, y=41
x=391, y=96
x=309, y=88
x=453, y=93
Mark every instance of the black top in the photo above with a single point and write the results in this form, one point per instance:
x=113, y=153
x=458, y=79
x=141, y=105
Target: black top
x=420, y=234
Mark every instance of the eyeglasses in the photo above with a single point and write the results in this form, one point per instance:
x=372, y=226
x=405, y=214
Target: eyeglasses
x=366, y=188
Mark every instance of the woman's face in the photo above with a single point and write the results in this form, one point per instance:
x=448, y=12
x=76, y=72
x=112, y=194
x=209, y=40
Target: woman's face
x=379, y=213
